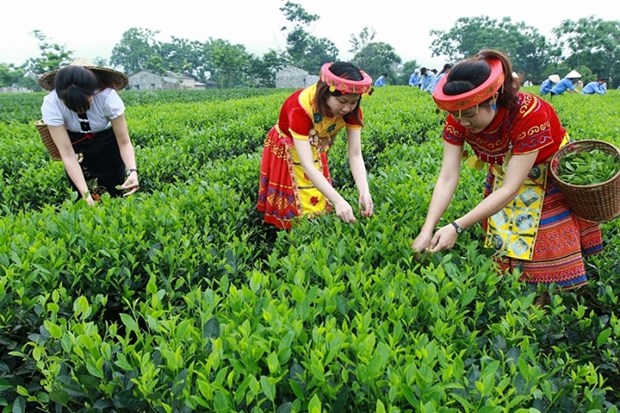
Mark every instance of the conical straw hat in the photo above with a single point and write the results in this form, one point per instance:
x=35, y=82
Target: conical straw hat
x=114, y=78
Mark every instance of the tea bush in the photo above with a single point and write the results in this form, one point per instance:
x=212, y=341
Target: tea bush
x=179, y=299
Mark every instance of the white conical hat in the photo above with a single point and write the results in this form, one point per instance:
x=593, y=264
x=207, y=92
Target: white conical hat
x=554, y=78
x=573, y=74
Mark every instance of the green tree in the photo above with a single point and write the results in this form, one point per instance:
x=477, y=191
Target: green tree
x=10, y=75
x=263, y=69
x=377, y=58
x=52, y=56
x=305, y=50
x=359, y=42
x=591, y=42
x=529, y=51
x=136, y=51
x=184, y=56
x=318, y=52
x=230, y=64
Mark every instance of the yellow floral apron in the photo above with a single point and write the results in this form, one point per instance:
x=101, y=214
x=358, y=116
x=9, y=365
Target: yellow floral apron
x=312, y=202
x=512, y=231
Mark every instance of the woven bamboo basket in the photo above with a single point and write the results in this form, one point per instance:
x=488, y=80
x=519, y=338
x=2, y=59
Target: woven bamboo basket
x=47, y=140
x=597, y=202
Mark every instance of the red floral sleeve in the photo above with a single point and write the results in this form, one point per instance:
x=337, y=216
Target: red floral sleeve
x=453, y=132
x=535, y=126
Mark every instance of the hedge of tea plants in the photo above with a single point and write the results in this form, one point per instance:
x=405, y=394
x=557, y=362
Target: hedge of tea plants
x=179, y=299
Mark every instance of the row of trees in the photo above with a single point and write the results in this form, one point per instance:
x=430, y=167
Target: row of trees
x=590, y=45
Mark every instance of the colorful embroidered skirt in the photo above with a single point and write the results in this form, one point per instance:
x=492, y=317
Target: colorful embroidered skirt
x=561, y=243
x=285, y=191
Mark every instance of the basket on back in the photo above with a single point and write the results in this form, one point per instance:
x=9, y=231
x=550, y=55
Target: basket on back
x=598, y=202
x=47, y=140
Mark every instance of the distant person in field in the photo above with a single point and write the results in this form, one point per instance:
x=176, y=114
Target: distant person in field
x=438, y=77
x=381, y=80
x=414, y=80
x=548, y=83
x=426, y=78
x=294, y=170
x=523, y=212
x=595, y=88
x=86, y=119
x=568, y=84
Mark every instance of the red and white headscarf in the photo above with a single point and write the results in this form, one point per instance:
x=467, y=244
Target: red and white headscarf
x=466, y=100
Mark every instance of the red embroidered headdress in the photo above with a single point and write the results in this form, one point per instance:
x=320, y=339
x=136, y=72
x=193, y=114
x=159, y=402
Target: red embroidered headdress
x=345, y=86
x=455, y=103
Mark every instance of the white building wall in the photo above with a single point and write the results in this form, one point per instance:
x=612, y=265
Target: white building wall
x=293, y=77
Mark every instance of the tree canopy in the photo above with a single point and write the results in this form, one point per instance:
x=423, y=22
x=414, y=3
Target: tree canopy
x=590, y=45
x=529, y=51
x=591, y=42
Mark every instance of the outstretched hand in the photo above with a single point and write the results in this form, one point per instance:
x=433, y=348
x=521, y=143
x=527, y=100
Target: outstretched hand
x=366, y=205
x=422, y=242
x=131, y=184
x=344, y=211
x=443, y=239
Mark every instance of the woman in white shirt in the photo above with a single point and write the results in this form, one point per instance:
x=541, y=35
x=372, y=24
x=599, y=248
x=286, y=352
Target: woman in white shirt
x=86, y=119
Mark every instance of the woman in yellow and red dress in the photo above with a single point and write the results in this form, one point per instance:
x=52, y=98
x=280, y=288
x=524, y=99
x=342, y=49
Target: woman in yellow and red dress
x=294, y=172
x=523, y=212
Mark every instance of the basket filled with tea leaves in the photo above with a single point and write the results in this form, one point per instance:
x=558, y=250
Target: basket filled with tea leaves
x=588, y=174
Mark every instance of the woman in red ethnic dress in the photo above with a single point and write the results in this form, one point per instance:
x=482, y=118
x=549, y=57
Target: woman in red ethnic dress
x=294, y=171
x=523, y=211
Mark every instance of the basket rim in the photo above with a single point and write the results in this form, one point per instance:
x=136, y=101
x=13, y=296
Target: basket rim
x=555, y=159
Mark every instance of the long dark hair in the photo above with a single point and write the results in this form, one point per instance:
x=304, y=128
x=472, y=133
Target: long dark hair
x=75, y=85
x=471, y=73
x=344, y=70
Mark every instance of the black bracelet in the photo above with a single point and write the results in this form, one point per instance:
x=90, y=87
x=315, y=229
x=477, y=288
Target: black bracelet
x=457, y=227
x=129, y=171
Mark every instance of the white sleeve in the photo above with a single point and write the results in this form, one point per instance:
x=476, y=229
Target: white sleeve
x=51, y=110
x=114, y=106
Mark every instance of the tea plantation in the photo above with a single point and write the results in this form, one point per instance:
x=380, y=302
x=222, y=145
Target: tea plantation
x=179, y=299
